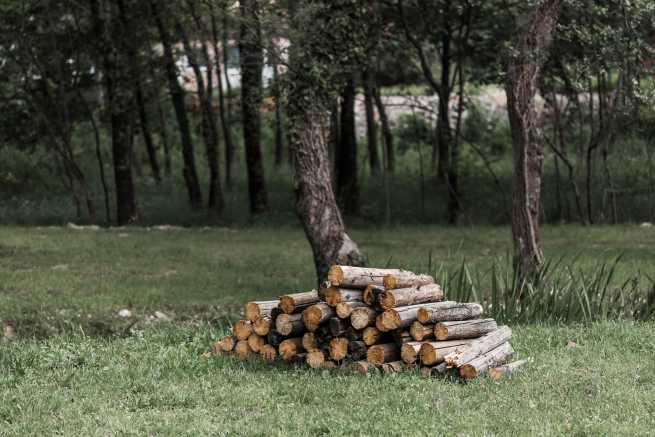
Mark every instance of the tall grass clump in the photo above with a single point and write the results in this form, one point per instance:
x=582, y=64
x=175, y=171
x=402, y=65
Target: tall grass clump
x=564, y=292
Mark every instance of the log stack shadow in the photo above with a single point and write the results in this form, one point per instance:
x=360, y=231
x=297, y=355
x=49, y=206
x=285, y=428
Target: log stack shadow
x=373, y=320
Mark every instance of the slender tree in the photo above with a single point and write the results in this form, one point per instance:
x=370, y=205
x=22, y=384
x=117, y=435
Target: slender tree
x=177, y=97
x=347, y=185
x=526, y=58
x=368, y=80
x=251, y=55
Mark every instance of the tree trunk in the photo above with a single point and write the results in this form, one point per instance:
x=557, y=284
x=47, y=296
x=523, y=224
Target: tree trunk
x=229, y=147
x=119, y=99
x=250, y=47
x=209, y=129
x=279, y=118
x=223, y=110
x=145, y=130
x=387, y=134
x=521, y=87
x=346, y=167
x=177, y=96
x=371, y=126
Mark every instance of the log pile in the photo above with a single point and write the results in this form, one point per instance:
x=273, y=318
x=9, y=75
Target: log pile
x=383, y=320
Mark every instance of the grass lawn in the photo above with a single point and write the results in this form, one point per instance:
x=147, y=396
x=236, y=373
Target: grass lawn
x=79, y=375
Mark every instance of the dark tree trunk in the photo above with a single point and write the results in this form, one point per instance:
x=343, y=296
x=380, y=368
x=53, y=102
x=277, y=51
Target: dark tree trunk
x=223, y=110
x=279, y=118
x=523, y=68
x=145, y=131
x=368, y=81
x=119, y=101
x=209, y=128
x=387, y=134
x=347, y=186
x=163, y=134
x=177, y=97
x=250, y=48
x=229, y=146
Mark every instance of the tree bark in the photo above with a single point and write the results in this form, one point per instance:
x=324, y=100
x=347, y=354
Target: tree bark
x=230, y=148
x=119, y=100
x=251, y=56
x=290, y=324
x=448, y=310
x=492, y=358
x=368, y=81
x=177, y=97
x=383, y=353
x=256, y=309
x=316, y=315
x=297, y=302
x=361, y=277
x=463, y=329
x=346, y=166
x=521, y=87
x=209, y=129
x=146, y=132
x=479, y=346
x=410, y=296
x=279, y=117
x=344, y=309
x=335, y=295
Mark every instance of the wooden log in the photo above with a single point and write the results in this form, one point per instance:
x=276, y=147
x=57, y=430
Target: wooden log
x=397, y=318
x=372, y=335
x=256, y=342
x=480, y=364
x=365, y=367
x=337, y=326
x=372, y=294
x=361, y=277
x=338, y=348
x=432, y=353
x=383, y=353
x=352, y=334
x=298, y=359
x=256, y=309
x=409, y=351
x=401, y=336
x=421, y=332
x=317, y=314
x=227, y=343
x=344, y=309
x=242, y=329
x=336, y=295
x=410, y=296
x=268, y=352
x=392, y=367
x=275, y=338
x=262, y=325
x=315, y=359
x=309, y=342
x=362, y=317
x=242, y=350
x=478, y=347
x=297, y=302
x=445, y=311
x=497, y=373
x=357, y=350
x=434, y=371
x=290, y=324
x=290, y=348
x=464, y=329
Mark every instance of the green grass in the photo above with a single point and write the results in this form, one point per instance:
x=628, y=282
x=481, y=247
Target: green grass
x=78, y=368
x=157, y=384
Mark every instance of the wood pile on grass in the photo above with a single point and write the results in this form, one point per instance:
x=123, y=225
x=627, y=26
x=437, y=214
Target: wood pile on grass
x=386, y=320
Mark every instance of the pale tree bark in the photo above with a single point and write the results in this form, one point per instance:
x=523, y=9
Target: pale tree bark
x=521, y=86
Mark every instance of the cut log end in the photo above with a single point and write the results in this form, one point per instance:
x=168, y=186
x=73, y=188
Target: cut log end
x=382, y=353
x=387, y=321
x=335, y=275
x=287, y=305
x=371, y=335
x=389, y=282
x=242, y=329
x=315, y=359
x=387, y=300
x=309, y=341
x=289, y=324
x=242, y=350
x=362, y=317
x=420, y=332
x=409, y=352
x=251, y=311
x=268, y=352
x=290, y=348
x=338, y=348
x=262, y=326
x=227, y=343
x=256, y=342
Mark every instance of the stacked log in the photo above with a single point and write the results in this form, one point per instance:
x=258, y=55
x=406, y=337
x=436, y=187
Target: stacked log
x=380, y=320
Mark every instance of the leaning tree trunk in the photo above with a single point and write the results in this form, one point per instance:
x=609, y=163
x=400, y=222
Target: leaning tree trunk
x=315, y=201
x=347, y=188
x=521, y=87
x=177, y=97
x=250, y=47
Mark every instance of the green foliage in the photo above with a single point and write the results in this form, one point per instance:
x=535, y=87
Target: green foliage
x=413, y=131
